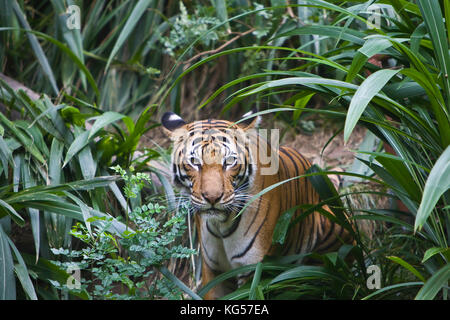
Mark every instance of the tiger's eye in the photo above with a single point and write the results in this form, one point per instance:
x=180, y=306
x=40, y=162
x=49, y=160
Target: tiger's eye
x=230, y=160
x=195, y=161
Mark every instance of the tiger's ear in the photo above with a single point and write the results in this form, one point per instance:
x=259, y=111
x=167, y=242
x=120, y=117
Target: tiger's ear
x=252, y=121
x=173, y=125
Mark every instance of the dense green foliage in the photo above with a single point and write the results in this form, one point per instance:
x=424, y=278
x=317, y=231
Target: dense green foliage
x=380, y=64
x=148, y=246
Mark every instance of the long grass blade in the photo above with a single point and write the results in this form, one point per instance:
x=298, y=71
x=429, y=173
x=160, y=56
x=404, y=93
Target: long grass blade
x=255, y=282
x=392, y=288
x=407, y=266
x=437, y=183
x=22, y=273
x=37, y=49
x=132, y=20
x=7, y=281
x=169, y=275
x=434, y=284
x=366, y=91
x=432, y=15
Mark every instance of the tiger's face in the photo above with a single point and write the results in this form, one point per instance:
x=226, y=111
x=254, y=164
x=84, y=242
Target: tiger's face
x=211, y=162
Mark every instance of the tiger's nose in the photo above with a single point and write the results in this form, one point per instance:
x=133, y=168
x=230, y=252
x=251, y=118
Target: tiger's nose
x=212, y=197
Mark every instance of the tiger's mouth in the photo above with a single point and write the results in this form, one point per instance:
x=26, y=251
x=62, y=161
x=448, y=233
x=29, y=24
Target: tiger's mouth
x=213, y=211
x=218, y=215
x=231, y=207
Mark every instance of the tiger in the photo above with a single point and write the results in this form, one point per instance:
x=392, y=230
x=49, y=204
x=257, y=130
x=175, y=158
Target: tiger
x=218, y=165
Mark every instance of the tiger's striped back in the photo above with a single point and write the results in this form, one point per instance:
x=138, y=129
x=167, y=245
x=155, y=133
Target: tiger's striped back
x=315, y=232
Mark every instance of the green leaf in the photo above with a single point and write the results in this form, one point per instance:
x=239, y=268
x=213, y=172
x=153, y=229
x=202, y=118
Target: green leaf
x=6, y=208
x=72, y=36
x=84, y=211
x=407, y=266
x=363, y=95
x=447, y=17
x=301, y=103
x=29, y=181
x=37, y=49
x=221, y=11
x=399, y=171
x=392, y=287
x=26, y=142
x=434, y=284
x=83, y=138
x=132, y=20
x=104, y=120
x=63, y=47
x=36, y=192
x=433, y=251
x=169, y=275
x=255, y=282
x=240, y=270
x=54, y=167
x=7, y=280
x=5, y=156
x=48, y=271
x=328, y=31
x=281, y=228
x=417, y=36
x=371, y=47
x=22, y=273
x=437, y=183
x=79, y=143
x=432, y=15
x=89, y=165
x=305, y=272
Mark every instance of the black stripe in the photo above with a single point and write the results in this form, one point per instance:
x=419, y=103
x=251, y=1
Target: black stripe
x=233, y=227
x=246, y=174
x=256, y=212
x=243, y=182
x=330, y=231
x=197, y=140
x=298, y=155
x=237, y=171
x=228, y=232
x=208, y=256
x=177, y=180
x=292, y=159
x=286, y=245
x=223, y=138
x=300, y=239
x=311, y=235
x=305, y=163
x=239, y=255
x=331, y=244
x=254, y=217
x=249, y=167
x=210, y=231
x=288, y=196
x=297, y=194
x=297, y=172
